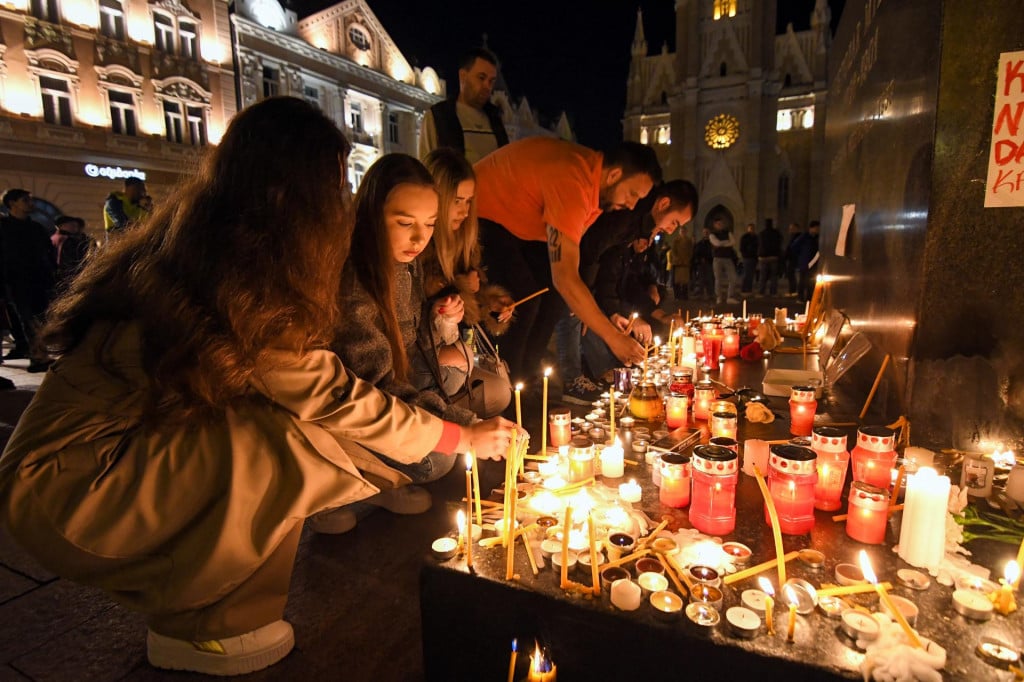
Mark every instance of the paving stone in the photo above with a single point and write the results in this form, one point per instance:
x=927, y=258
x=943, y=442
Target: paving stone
x=13, y=585
x=15, y=558
x=9, y=674
x=44, y=614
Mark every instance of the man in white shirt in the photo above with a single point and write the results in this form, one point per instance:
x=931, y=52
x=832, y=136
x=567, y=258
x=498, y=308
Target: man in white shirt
x=470, y=123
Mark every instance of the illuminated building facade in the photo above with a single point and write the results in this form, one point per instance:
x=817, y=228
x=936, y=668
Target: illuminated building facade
x=736, y=109
x=94, y=90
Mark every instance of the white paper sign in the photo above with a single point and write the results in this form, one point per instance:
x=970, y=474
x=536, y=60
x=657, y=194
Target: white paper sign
x=1005, y=185
x=844, y=228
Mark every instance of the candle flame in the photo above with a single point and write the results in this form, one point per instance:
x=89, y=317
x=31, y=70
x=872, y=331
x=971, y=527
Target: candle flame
x=519, y=386
x=547, y=371
x=766, y=586
x=1011, y=572
x=677, y=333
x=539, y=662
x=657, y=341
x=866, y=569
x=635, y=315
x=515, y=644
x=469, y=461
x=460, y=521
x=790, y=593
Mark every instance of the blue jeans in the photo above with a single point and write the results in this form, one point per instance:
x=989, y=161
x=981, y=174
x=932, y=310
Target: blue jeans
x=769, y=275
x=567, y=340
x=600, y=358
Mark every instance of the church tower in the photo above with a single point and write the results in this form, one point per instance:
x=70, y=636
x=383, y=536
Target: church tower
x=742, y=109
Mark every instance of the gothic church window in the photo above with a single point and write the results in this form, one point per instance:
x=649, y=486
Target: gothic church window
x=644, y=136
x=725, y=8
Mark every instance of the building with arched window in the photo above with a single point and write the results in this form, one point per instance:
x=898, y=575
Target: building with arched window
x=92, y=91
x=737, y=109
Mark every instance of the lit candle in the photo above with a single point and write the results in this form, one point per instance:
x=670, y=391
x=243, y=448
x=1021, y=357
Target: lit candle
x=542, y=669
x=922, y=540
x=519, y=405
x=869, y=575
x=713, y=495
x=630, y=492
x=460, y=523
x=612, y=461
x=512, y=660
x=677, y=406
x=874, y=456
x=769, y=603
x=595, y=581
x=612, y=409
x=802, y=407
x=731, y=343
x=566, y=528
x=723, y=425
x=703, y=396
x=544, y=413
x=791, y=598
x=476, y=488
x=1003, y=599
x=830, y=445
x=1020, y=562
x=868, y=513
x=469, y=511
x=675, y=481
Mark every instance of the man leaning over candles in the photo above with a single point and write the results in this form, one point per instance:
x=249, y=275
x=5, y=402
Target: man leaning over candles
x=194, y=417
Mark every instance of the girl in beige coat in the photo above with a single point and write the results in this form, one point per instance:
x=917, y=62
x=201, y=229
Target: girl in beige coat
x=194, y=417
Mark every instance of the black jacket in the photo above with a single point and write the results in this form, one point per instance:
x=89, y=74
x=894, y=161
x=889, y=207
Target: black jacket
x=449, y=130
x=770, y=243
x=748, y=245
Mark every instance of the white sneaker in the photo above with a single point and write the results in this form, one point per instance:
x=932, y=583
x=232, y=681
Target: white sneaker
x=332, y=521
x=409, y=499
x=239, y=655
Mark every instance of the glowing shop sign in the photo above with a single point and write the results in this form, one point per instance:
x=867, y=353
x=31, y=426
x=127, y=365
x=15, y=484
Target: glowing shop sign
x=113, y=172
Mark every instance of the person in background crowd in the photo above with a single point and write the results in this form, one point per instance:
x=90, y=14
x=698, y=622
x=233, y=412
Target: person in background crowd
x=807, y=261
x=196, y=417
x=146, y=203
x=122, y=210
x=682, y=257
x=748, y=252
x=451, y=263
x=28, y=272
x=724, y=263
x=470, y=124
x=769, y=251
x=791, y=256
x=386, y=335
x=537, y=198
x=703, y=274
x=71, y=244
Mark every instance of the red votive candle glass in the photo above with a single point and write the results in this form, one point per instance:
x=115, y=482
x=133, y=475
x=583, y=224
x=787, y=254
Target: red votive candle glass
x=731, y=342
x=675, y=481
x=677, y=405
x=682, y=382
x=874, y=456
x=868, y=513
x=829, y=444
x=712, y=348
x=713, y=499
x=753, y=323
x=792, y=474
x=703, y=396
x=802, y=407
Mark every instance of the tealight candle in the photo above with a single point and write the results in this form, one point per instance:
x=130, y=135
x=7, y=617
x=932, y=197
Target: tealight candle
x=709, y=594
x=755, y=600
x=626, y=595
x=706, y=575
x=550, y=547
x=631, y=492
x=739, y=552
x=618, y=544
x=652, y=582
x=611, y=575
x=702, y=616
x=648, y=565
x=556, y=559
x=907, y=608
x=666, y=605
x=444, y=548
x=997, y=653
x=743, y=622
x=972, y=604
x=860, y=626
x=976, y=583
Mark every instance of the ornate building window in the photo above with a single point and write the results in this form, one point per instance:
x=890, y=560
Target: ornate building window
x=56, y=95
x=722, y=131
x=112, y=19
x=186, y=109
x=358, y=36
x=355, y=117
x=312, y=95
x=176, y=30
x=725, y=8
x=123, y=115
x=47, y=10
x=393, y=128
x=644, y=136
x=173, y=122
x=665, y=135
x=271, y=81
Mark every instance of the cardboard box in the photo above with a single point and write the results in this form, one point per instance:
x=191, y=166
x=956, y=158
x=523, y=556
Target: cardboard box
x=779, y=382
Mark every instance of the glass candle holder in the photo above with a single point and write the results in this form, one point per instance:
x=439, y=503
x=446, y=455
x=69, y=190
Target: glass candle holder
x=677, y=406
x=712, y=348
x=713, y=494
x=802, y=407
x=704, y=395
x=724, y=406
x=645, y=402
x=829, y=444
x=612, y=461
x=874, y=456
x=730, y=342
x=727, y=443
x=682, y=382
x=868, y=513
x=792, y=474
x=753, y=322
x=623, y=380
x=724, y=425
x=560, y=426
x=581, y=459
x=675, y=481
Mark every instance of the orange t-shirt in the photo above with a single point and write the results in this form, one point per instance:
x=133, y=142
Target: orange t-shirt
x=539, y=181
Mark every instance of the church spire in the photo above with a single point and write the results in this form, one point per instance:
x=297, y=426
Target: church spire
x=821, y=20
x=639, y=42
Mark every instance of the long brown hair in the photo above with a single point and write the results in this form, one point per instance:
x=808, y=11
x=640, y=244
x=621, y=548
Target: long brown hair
x=457, y=251
x=246, y=255
x=374, y=264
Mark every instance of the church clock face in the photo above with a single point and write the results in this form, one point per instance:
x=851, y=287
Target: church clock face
x=722, y=131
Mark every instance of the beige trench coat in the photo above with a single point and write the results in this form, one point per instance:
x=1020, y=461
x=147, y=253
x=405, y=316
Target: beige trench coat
x=170, y=521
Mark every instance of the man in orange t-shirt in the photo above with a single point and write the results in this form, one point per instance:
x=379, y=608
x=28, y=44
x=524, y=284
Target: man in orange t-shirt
x=535, y=199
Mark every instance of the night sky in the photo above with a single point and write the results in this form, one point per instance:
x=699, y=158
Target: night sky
x=570, y=55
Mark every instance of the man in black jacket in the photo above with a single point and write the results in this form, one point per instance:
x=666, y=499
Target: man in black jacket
x=748, y=252
x=769, y=252
x=470, y=123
